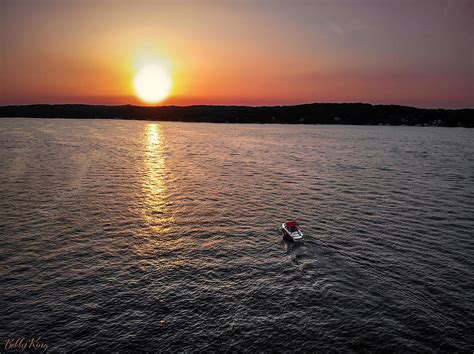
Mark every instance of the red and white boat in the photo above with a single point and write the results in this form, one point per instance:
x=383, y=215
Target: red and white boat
x=291, y=232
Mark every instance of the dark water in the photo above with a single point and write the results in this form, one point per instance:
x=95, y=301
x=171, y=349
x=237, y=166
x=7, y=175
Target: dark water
x=125, y=235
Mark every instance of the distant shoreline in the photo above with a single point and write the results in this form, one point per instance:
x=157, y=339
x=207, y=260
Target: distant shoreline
x=314, y=113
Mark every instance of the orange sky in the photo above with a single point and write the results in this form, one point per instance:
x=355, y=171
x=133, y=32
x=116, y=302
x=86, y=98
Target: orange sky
x=239, y=52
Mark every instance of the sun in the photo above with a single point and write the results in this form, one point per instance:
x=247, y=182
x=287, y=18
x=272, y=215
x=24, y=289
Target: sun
x=152, y=84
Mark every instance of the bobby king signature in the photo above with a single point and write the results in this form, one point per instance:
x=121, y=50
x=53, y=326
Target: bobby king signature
x=23, y=344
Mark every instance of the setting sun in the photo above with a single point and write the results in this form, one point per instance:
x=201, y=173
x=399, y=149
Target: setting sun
x=152, y=84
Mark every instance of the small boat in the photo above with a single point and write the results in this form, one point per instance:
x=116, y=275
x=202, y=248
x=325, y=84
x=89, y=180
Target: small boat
x=291, y=232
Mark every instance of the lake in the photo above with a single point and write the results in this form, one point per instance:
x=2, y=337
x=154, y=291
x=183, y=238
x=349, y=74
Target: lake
x=135, y=235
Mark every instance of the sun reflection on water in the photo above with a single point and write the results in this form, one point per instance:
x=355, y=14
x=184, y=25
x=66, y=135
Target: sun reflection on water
x=153, y=134
x=155, y=210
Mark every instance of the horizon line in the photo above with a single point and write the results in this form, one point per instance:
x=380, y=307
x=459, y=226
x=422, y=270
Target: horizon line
x=235, y=105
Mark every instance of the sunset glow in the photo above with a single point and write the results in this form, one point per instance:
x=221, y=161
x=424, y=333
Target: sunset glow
x=246, y=52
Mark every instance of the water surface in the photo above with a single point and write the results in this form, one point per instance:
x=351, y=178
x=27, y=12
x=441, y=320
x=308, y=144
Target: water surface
x=128, y=235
